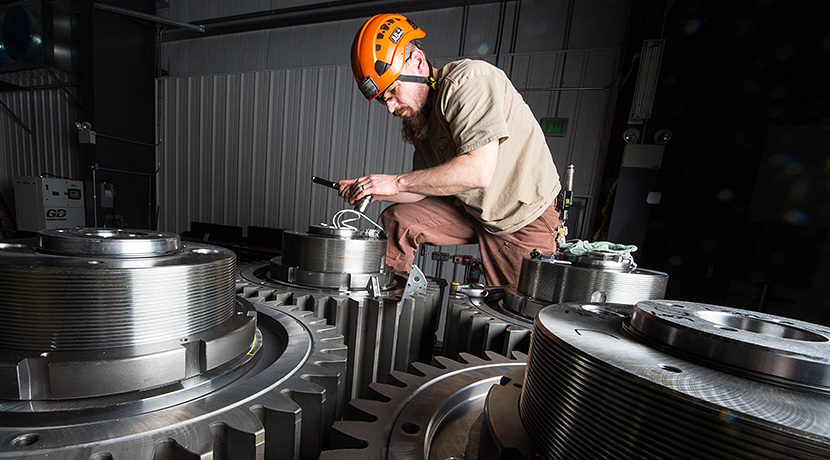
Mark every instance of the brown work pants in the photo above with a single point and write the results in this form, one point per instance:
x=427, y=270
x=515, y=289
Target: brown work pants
x=440, y=222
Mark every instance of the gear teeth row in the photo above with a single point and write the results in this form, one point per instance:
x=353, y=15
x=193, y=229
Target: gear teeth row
x=478, y=328
x=398, y=420
x=379, y=337
x=283, y=410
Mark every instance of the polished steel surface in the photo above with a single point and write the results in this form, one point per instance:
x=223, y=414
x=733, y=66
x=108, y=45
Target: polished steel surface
x=383, y=333
x=476, y=323
x=277, y=405
x=593, y=391
x=561, y=281
x=154, y=356
x=329, y=254
x=428, y=415
x=54, y=302
x=762, y=345
x=107, y=242
x=342, y=259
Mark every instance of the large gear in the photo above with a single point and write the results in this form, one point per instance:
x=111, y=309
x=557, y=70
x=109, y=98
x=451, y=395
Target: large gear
x=275, y=398
x=337, y=275
x=431, y=414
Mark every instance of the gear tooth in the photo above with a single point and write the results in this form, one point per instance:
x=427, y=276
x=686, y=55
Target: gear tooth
x=169, y=448
x=352, y=437
x=404, y=378
x=384, y=391
x=366, y=410
x=520, y=356
x=193, y=441
x=334, y=349
x=472, y=359
x=424, y=369
x=447, y=363
x=317, y=415
x=282, y=419
x=496, y=357
x=240, y=434
x=265, y=293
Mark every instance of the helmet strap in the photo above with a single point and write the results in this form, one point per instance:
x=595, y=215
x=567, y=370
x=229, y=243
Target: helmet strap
x=429, y=81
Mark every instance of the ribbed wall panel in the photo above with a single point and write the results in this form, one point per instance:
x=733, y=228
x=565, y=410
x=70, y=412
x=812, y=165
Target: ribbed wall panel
x=52, y=148
x=240, y=149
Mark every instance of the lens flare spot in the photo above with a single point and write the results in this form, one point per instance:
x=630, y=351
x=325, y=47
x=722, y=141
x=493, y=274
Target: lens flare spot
x=726, y=195
x=727, y=416
x=692, y=26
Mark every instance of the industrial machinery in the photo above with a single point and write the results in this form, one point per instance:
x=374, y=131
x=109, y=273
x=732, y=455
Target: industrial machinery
x=48, y=202
x=128, y=344
x=338, y=272
x=500, y=318
x=422, y=416
x=660, y=379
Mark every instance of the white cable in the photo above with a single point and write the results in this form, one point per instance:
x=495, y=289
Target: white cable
x=339, y=223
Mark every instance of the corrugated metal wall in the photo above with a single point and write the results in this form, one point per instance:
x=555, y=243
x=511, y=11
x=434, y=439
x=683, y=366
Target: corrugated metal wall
x=240, y=149
x=50, y=148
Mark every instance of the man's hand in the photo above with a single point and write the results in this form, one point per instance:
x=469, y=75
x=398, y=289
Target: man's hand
x=384, y=187
x=379, y=185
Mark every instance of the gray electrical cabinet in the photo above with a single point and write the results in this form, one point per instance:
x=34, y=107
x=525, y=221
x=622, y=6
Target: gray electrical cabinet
x=45, y=202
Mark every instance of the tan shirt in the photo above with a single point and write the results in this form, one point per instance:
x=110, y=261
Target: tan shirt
x=476, y=104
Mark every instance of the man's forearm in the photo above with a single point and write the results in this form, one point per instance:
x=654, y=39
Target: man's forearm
x=465, y=172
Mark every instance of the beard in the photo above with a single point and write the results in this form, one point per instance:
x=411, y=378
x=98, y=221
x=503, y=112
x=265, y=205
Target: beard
x=414, y=126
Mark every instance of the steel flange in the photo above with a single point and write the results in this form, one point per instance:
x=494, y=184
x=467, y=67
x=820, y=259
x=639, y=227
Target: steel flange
x=430, y=414
x=130, y=345
x=592, y=390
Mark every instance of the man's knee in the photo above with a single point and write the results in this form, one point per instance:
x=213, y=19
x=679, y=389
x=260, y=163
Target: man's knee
x=389, y=217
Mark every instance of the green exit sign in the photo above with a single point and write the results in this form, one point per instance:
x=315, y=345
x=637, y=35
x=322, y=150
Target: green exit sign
x=554, y=126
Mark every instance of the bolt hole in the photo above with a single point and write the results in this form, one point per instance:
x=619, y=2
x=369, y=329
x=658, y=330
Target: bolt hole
x=517, y=385
x=25, y=440
x=410, y=428
x=668, y=368
x=184, y=339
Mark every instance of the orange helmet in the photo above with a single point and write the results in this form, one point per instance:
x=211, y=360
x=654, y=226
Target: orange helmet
x=378, y=52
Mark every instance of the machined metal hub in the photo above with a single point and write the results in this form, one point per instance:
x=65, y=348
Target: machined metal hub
x=760, y=345
x=593, y=390
x=128, y=344
x=341, y=259
x=94, y=312
x=597, y=278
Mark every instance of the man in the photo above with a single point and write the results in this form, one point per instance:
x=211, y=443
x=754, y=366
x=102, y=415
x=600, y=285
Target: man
x=482, y=171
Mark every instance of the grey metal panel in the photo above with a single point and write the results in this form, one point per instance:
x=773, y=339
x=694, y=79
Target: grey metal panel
x=52, y=149
x=240, y=149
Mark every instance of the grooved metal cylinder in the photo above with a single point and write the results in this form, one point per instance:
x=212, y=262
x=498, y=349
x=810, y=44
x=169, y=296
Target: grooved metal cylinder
x=327, y=254
x=562, y=281
x=91, y=312
x=333, y=258
x=592, y=390
x=79, y=297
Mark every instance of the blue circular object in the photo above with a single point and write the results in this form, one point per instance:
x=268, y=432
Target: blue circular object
x=22, y=34
x=2, y=49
